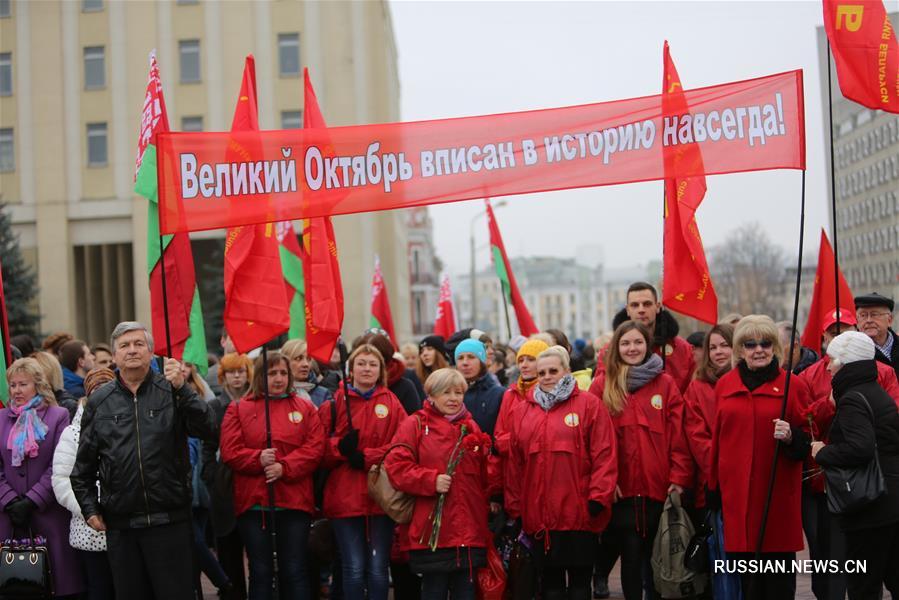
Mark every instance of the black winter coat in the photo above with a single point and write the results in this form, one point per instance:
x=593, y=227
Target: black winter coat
x=217, y=475
x=138, y=445
x=852, y=438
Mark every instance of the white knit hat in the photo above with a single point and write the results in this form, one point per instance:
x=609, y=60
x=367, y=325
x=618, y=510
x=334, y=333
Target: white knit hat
x=851, y=346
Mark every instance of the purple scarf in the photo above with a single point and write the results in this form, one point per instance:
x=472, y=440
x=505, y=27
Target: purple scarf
x=27, y=431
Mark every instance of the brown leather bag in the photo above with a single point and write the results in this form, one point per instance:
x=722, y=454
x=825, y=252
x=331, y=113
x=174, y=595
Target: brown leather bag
x=398, y=505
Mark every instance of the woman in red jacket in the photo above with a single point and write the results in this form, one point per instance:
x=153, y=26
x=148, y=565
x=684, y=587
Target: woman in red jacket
x=441, y=432
x=653, y=459
x=699, y=401
x=748, y=405
x=368, y=415
x=296, y=449
x=563, y=445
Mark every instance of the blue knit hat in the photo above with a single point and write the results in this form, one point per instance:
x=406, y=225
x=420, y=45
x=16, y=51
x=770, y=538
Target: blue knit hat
x=474, y=347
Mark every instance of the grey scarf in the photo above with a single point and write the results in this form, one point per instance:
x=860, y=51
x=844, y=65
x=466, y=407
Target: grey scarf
x=560, y=393
x=640, y=375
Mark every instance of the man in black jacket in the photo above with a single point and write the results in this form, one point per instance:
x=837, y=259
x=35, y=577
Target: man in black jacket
x=134, y=435
x=875, y=318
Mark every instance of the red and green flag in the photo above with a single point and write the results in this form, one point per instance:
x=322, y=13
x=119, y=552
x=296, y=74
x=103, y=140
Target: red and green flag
x=687, y=285
x=292, y=270
x=181, y=300
x=507, y=279
x=321, y=269
x=5, y=353
x=256, y=303
x=380, y=304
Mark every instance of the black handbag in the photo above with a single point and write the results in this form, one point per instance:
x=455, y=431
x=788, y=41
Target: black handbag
x=696, y=558
x=850, y=489
x=24, y=570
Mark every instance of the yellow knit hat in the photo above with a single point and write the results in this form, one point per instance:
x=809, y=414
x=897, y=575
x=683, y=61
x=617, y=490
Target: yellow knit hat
x=531, y=348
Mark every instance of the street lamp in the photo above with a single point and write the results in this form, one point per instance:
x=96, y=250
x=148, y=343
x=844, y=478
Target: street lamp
x=474, y=294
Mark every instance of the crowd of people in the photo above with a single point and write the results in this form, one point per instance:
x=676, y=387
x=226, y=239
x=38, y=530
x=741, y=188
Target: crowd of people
x=559, y=458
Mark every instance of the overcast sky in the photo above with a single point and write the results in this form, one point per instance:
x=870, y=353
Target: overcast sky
x=472, y=58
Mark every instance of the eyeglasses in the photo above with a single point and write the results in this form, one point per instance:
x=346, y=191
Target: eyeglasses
x=864, y=315
x=751, y=344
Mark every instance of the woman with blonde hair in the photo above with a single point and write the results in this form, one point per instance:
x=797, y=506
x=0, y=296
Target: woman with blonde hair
x=653, y=459
x=30, y=428
x=748, y=426
x=305, y=381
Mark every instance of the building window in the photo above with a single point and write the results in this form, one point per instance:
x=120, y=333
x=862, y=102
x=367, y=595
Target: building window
x=291, y=119
x=97, y=154
x=94, y=68
x=189, y=53
x=289, y=54
x=192, y=123
x=6, y=74
x=7, y=151
x=91, y=5
x=5, y=8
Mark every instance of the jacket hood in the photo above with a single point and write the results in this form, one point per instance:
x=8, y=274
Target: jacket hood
x=664, y=323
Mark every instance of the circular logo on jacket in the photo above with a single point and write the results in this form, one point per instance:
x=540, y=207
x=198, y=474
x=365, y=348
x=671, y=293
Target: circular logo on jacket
x=572, y=419
x=381, y=411
x=295, y=417
x=669, y=349
x=656, y=401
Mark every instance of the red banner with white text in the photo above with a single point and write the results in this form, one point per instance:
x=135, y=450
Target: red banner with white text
x=751, y=125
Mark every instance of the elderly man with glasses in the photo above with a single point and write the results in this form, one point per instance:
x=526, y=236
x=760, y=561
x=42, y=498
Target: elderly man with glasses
x=875, y=318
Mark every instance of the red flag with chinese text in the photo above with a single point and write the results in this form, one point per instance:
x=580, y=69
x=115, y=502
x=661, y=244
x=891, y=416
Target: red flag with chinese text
x=256, y=302
x=687, y=286
x=865, y=51
x=824, y=299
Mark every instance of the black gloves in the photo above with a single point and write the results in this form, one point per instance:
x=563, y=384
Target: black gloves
x=594, y=508
x=349, y=443
x=713, y=499
x=357, y=460
x=20, y=510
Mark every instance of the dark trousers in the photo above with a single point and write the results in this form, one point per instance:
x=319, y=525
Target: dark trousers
x=767, y=586
x=97, y=575
x=630, y=534
x=458, y=584
x=825, y=542
x=364, y=544
x=879, y=547
x=204, y=560
x=576, y=588
x=406, y=584
x=152, y=563
x=292, y=534
x=230, y=554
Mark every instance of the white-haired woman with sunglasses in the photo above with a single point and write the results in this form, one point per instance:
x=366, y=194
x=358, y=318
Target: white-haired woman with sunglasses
x=747, y=429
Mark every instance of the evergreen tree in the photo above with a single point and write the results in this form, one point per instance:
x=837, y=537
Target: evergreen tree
x=19, y=281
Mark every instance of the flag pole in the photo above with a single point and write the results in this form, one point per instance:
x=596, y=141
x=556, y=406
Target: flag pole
x=506, y=307
x=271, y=486
x=833, y=193
x=165, y=295
x=789, y=373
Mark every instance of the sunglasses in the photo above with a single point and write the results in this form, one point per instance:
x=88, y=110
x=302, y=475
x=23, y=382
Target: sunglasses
x=751, y=344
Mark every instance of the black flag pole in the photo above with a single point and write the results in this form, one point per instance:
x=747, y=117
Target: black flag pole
x=271, y=486
x=789, y=373
x=165, y=292
x=506, y=307
x=833, y=194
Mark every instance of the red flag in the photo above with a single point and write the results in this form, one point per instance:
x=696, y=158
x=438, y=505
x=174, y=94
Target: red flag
x=380, y=304
x=321, y=270
x=865, y=50
x=823, y=312
x=445, y=324
x=507, y=278
x=687, y=286
x=256, y=308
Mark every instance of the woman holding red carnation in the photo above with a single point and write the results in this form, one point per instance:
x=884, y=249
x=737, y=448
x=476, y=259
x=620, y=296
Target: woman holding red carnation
x=445, y=455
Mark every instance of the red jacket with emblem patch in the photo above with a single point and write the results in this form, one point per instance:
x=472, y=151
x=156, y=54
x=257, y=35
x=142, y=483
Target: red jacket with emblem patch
x=297, y=437
x=652, y=448
x=564, y=457
x=377, y=419
x=433, y=438
x=679, y=362
x=742, y=453
x=699, y=420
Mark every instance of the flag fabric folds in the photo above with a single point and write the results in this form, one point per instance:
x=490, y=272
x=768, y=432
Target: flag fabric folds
x=292, y=270
x=687, y=285
x=321, y=270
x=445, y=323
x=256, y=301
x=185, y=315
x=381, y=317
x=5, y=353
x=507, y=279
x=824, y=301
x=865, y=51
